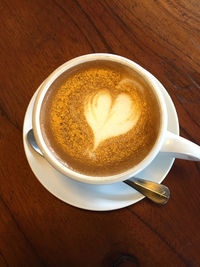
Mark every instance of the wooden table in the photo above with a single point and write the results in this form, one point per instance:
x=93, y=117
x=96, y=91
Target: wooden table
x=37, y=229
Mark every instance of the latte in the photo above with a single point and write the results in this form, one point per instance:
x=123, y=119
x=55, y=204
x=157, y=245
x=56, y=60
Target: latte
x=100, y=118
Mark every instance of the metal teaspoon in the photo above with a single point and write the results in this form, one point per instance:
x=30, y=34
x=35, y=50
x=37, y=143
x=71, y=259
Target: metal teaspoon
x=156, y=192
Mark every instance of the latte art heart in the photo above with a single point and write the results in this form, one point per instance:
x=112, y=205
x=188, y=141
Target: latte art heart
x=110, y=117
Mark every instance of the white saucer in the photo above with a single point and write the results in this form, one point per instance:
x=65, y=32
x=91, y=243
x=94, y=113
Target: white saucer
x=96, y=197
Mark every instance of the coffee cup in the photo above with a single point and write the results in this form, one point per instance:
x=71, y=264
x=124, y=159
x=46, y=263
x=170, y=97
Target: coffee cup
x=101, y=118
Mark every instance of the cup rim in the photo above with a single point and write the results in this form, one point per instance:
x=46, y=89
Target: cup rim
x=97, y=179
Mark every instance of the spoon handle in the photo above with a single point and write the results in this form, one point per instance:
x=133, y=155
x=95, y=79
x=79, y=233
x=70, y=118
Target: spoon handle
x=157, y=193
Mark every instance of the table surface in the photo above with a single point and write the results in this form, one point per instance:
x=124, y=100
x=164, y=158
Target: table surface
x=36, y=228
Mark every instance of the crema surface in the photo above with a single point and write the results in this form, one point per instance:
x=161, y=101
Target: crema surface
x=100, y=118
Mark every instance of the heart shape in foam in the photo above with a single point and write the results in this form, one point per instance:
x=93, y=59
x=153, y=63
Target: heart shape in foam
x=109, y=118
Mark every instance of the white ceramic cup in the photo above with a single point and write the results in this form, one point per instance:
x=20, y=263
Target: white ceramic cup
x=167, y=142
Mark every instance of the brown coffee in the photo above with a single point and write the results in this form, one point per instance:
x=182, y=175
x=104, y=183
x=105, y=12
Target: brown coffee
x=100, y=118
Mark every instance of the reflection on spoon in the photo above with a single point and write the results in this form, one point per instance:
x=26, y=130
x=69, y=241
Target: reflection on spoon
x=156, y=192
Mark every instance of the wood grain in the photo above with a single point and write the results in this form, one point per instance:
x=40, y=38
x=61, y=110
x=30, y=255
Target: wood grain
x=36, y=229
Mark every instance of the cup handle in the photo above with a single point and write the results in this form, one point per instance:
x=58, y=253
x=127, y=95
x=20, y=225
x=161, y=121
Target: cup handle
x=181, y=148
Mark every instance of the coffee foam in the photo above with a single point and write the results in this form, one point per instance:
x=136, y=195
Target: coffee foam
x=110, y=117
x=100, y=119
